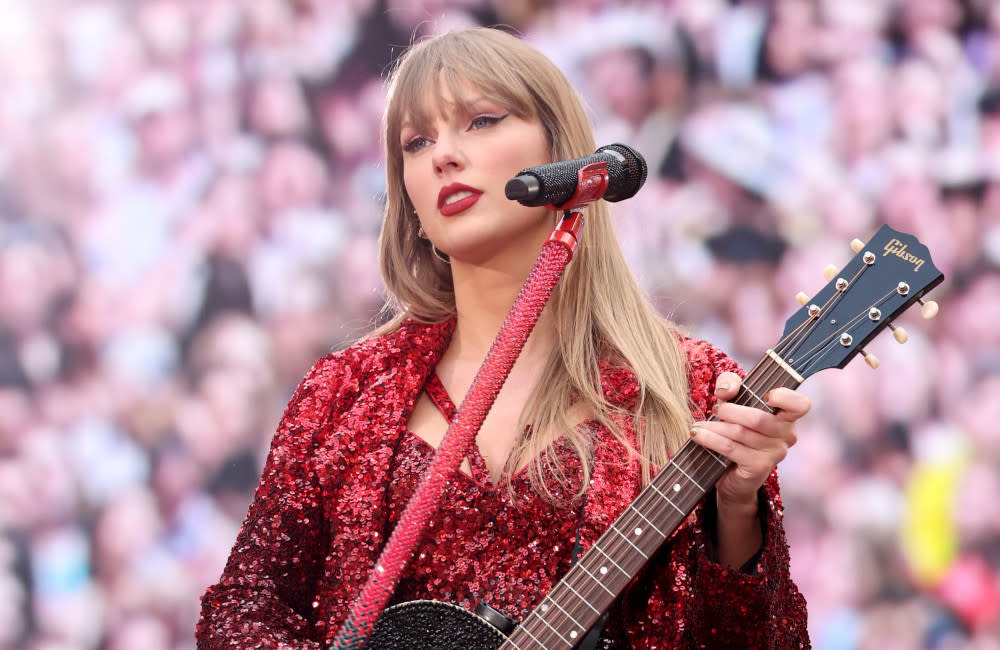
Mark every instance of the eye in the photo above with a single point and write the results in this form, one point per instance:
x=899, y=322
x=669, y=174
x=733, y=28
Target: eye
x=416, y=143
x=485, y=121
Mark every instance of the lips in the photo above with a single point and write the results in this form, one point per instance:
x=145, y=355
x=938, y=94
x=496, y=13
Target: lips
x=456, y=197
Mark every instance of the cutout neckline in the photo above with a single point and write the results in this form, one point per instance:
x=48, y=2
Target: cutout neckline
x=439, y=396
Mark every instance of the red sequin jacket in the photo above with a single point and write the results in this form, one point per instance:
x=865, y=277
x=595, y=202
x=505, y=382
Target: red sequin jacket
x=342, y=466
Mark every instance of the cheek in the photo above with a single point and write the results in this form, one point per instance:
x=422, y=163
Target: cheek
x=415, y=188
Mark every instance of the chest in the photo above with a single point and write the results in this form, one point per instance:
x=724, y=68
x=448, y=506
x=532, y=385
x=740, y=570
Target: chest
x=504, y=545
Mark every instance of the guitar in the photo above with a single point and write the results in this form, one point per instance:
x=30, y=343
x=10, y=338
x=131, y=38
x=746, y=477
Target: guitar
x=886, y=276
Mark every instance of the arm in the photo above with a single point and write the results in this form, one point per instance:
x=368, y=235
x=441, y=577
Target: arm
x=695, y=597
x=756, y=441
x=757, y=603
x=264, y=597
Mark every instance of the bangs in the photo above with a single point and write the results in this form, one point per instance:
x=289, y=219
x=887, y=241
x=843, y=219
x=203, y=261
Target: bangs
x=454, y=62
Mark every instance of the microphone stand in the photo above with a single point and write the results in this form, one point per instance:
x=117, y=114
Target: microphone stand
x=556, y=253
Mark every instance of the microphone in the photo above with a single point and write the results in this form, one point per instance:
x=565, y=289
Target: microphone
x=555, y=183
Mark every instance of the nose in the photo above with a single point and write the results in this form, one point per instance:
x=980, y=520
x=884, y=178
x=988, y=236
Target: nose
x=448, y=154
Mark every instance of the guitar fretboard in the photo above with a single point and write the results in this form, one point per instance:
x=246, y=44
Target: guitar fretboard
x=575, y=604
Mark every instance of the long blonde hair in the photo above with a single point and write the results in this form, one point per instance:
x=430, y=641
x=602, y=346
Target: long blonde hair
x=599, y=310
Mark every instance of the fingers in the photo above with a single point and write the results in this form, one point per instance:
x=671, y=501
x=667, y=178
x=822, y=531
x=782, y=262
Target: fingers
x=791, y=405
x=754, y=433
x=752, y=463
x=754, y=455
x=726, y=385
x=735, y=442
x=762, y=422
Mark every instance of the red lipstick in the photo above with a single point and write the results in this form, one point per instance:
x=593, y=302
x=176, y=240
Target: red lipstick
x=461, y=204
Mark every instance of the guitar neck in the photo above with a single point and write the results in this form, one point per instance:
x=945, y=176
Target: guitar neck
x=575, y=604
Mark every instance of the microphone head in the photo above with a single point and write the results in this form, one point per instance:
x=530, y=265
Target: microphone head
x=523, y=186
x=625, y=179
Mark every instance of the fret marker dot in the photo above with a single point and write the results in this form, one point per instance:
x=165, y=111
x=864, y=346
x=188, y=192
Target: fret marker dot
x=604, y=570
x=545, y=607
x=677, y=487
x=572, y=634
x=638, y=531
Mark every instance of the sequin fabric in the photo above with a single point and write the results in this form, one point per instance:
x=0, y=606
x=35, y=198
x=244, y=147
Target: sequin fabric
x=342, y=465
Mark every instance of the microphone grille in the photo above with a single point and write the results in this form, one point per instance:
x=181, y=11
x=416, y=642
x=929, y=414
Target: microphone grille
x=625, y=180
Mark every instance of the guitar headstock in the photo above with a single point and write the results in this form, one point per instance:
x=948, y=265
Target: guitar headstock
x=890, y=272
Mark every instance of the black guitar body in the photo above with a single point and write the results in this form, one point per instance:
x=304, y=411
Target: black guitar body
x=432, y=625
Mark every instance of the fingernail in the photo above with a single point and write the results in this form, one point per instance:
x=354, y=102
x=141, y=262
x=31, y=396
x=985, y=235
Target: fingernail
x=715, y=409
x=694, y=432
x=721, y=386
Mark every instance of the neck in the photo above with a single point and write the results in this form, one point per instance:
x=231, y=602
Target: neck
x=483, y=298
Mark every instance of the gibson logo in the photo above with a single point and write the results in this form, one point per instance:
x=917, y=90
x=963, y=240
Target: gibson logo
x=898, y=248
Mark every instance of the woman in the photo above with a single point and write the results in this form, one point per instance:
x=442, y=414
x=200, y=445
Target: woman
x=558, y=458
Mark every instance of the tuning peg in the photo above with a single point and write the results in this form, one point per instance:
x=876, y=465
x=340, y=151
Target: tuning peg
x=928, y=309
x=801, y=298
x=830, y=272
x=857, y=245
x=900, y=334
x=870, y=359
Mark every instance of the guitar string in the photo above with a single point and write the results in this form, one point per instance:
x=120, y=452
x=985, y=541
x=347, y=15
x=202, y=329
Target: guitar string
x=637, y=508
x=590, y=584
x=817, y=351
x=656, y=506
x=584, y=586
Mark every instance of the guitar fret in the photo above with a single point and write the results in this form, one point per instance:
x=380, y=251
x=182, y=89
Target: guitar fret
x=651, y=524
x=623, y=536
x=510, y=642
x=611, y=559
x=653, y=485
x=719, y=458
x=524, y=628
x=585, y=602
x=578, y=624
x=686, y=475
x=767, y=407
x=548, y=625
x=596, y=579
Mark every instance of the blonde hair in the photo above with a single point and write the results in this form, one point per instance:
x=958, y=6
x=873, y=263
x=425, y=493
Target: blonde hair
x=599, y=310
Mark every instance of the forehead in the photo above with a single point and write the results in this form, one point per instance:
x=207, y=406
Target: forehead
x=440, y=100
x=446, y=98
x=432, y=94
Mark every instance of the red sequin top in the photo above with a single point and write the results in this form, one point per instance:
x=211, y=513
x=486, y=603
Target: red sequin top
x=342, y=466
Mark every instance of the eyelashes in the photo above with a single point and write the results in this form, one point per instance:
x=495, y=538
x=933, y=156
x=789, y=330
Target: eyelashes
x=414, y=144
x=485, y=121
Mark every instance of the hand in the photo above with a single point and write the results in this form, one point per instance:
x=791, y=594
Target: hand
x=755, y=440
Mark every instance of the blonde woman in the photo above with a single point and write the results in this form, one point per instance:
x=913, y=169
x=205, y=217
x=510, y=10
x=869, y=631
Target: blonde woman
x=559, y=456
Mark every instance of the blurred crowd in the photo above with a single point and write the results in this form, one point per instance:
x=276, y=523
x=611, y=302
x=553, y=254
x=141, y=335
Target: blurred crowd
x=190, y=197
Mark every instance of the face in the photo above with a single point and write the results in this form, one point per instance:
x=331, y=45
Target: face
x=455, y=170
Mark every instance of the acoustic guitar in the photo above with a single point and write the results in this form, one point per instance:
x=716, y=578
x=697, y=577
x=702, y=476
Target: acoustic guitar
x=886, y=276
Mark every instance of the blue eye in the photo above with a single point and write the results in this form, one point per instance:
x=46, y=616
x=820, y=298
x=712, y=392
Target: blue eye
x=484, y=121
x=415, y=144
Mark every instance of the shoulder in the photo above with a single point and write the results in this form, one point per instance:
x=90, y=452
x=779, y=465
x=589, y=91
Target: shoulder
x=704, y=362
x=412, y=342
x=384, y=366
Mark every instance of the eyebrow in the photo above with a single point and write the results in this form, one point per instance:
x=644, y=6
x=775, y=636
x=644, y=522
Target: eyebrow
x=467, y=106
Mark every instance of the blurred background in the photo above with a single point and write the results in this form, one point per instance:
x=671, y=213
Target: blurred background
x=190, y=196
